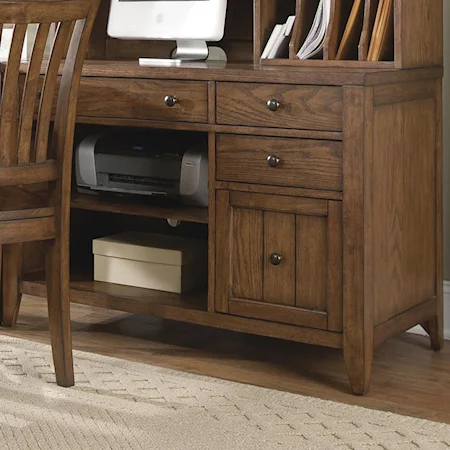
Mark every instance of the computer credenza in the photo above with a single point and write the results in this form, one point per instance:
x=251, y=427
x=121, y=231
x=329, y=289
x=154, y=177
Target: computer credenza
x=325, y=213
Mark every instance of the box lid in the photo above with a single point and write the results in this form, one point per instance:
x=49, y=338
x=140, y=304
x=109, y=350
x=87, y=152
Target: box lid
x=149, y=247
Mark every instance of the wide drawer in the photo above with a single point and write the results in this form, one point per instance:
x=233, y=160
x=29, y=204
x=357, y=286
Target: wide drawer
x=183, y=101
x=306, y=163
x=280, y=106
x=167, y=100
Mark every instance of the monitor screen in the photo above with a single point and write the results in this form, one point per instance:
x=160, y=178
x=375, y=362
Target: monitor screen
x=167, y=19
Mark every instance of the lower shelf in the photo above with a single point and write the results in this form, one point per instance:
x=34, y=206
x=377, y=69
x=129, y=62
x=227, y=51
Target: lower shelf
x=134, y=300
x=191, y=308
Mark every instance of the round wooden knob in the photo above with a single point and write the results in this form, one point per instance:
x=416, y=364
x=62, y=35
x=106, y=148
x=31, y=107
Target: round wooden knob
x=275, y=259
x=273, y=104
x=170, y=100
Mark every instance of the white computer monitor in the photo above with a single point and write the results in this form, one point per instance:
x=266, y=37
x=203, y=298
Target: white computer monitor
x=189, y=22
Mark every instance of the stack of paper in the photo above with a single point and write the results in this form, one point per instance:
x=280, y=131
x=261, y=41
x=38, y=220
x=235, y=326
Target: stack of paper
x=316, y=37
x=278, y=42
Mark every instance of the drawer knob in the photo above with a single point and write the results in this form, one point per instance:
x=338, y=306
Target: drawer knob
x=170, y=100
x=275, y=259
x=273, y=160
x=273, y=104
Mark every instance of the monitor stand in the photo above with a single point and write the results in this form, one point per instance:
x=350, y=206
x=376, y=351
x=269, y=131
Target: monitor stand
x=188, y=51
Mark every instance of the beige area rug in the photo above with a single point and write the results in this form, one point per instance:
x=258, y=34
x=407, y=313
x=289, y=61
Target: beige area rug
x=119, y=405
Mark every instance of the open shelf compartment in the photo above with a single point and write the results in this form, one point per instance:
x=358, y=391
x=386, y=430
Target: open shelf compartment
x=139, y=208
x=85, y=291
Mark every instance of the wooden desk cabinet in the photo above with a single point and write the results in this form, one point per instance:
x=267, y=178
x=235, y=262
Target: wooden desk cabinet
x=325, y=192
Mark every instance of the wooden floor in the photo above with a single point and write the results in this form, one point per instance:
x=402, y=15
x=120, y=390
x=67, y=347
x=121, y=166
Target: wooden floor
x=408, y=378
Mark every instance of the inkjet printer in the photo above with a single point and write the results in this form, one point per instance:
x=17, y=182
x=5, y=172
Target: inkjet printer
x=151, y=163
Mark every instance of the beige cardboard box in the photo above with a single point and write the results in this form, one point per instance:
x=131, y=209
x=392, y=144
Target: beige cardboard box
x=152, y=261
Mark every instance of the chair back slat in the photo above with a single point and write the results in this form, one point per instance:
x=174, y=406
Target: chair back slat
x=9, y=108
x=27, y=102
x=49, y=88
x=30, y=93
x=64, y=127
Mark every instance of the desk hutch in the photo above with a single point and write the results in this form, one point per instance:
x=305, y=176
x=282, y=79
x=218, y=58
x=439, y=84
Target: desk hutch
x=324, y=222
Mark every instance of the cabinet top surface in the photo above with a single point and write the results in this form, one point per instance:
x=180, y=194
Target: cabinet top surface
x=251, y=73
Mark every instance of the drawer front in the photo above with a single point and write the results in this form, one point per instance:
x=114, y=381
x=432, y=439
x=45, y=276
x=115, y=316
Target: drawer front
x=144, y=99
x=280, y=259
x=280, y=106
x=140, y=99
x=303, y=163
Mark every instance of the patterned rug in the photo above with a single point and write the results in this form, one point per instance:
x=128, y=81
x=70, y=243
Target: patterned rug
x=117, y=404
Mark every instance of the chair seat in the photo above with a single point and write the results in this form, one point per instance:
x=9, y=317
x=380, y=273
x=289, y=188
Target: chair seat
x=17, y=203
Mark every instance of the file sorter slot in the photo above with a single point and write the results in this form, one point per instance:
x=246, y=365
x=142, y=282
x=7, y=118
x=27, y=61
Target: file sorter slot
x=370, y=12
x=348, y=48
x=340, y=12
x=270, y=14
x=382, y=41
x=305, y=11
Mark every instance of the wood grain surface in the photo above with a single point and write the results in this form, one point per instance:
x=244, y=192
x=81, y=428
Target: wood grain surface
x=300, y=106
x=302, y=163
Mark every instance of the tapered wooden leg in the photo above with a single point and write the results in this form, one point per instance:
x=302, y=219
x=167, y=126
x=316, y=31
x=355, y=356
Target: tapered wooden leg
x=358, y=239
x=59, y=314
x=12, y=261
x=435, y=328
x=358, y=361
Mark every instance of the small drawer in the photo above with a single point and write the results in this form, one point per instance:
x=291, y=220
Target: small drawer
x=280, y=106
x=181, y=101
x=305, y=163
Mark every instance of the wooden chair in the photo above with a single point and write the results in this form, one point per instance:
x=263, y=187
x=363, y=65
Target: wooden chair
x=36, y=156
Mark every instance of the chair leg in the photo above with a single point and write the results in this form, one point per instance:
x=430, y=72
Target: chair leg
x=57, y=273
x=12, y=262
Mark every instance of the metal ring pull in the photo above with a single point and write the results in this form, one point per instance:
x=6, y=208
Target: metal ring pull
x=275, y=259
x=170, y=100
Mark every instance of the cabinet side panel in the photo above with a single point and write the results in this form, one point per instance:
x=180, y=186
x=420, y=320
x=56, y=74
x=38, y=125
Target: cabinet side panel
x=419, y=33
x=404, y=206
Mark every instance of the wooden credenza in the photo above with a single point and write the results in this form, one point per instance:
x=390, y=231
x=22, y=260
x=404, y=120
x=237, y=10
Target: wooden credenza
x=324, y=222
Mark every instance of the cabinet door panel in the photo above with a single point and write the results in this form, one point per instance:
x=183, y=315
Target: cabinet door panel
x=279, y=278
x=279, y=265
x=247, y=254
x=311, y=262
